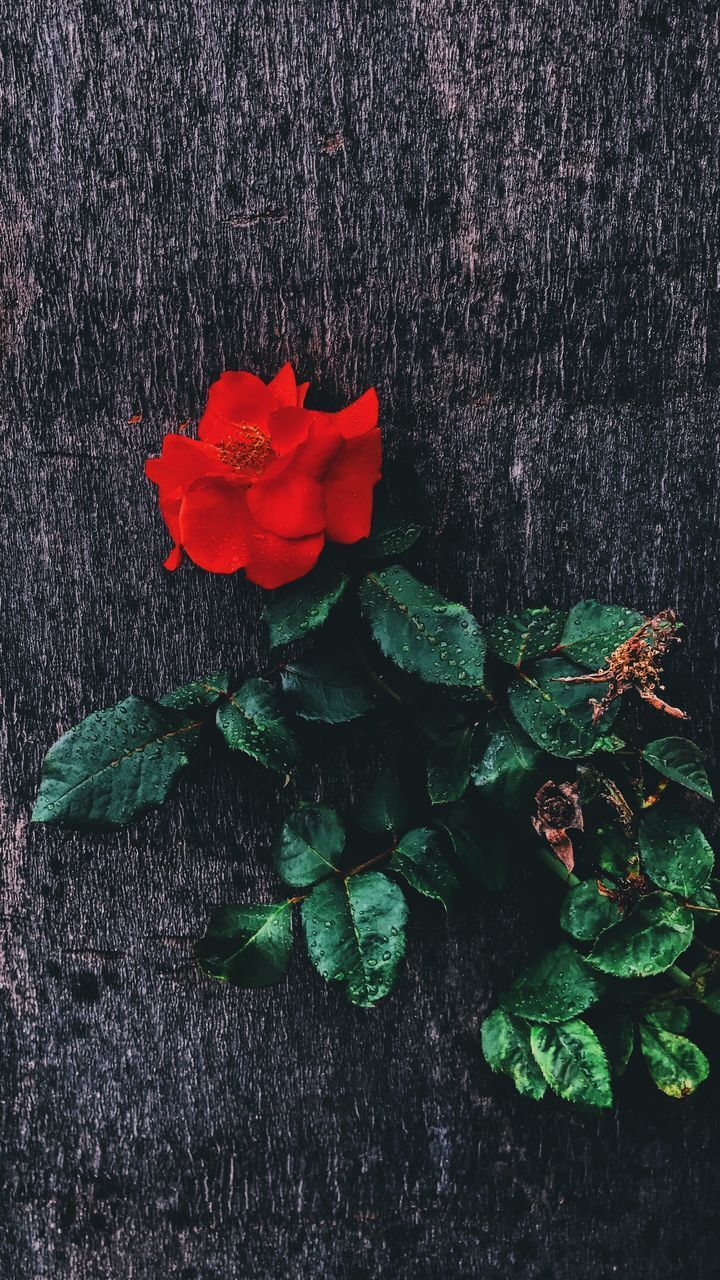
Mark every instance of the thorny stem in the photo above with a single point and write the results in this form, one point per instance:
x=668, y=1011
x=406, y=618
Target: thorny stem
x=273, y=671
x=554, y=864
x=679, y=976
x=345, y=875
x=371, y=861
x=378, y=680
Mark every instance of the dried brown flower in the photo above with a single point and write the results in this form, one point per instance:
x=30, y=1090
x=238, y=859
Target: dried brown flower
x=636, y=664
x=558, y=811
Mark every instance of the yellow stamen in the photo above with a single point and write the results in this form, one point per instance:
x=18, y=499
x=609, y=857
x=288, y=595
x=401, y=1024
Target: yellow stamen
x=249, y=451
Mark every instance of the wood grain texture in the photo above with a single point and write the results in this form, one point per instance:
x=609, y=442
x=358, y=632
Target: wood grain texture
x=505, y=216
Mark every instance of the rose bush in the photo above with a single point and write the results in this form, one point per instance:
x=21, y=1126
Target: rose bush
x=268, y=481
x=264, y=486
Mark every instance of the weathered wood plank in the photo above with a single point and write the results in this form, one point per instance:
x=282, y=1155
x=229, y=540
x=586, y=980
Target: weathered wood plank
x=505, y=216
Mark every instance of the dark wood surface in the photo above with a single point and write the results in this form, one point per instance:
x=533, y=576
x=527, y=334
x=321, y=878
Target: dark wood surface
x=505, y=216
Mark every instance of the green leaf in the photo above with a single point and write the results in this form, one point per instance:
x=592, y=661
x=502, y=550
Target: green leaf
x=508, y=771
x=482, y=851
x=675, y=1064
x=422, y=632
x=309, y=845
x=203, y=692
x=323, y=689
x=506, y=1046
x=448, y=766
x=593, y=631
x=390, y=535
x=572, y=1061
x=355, y=931
x=251, y=722
x=646, y=941
x=420, y=860
x=668, y=1017
x=608, y=846
x=292, y=612
x=559, y=717
x=115, y=765
x=248, y=946
x=586, y=912
x=554, y=988
x=681, y=761
x=387, y=808
x=516, y=638
x=674, y=852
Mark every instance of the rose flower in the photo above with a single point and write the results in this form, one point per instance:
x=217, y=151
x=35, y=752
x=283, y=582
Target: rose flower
x=558, y=812
x=268, y=481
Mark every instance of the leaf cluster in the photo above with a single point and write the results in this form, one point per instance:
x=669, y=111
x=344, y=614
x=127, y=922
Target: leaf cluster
x=353, y=913
x=478, y=719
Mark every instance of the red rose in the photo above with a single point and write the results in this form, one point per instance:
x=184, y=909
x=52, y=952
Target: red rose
x=268, y=481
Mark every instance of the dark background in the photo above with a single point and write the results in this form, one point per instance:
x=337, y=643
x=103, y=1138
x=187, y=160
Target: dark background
x=504, y=215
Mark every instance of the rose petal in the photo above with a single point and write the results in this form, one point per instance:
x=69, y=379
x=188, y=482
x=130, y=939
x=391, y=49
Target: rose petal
x=170, y=512
x=181, y=462
x=284, y=387
x=214, y=525
x=301, y=393
x=310, y=459
x=274, y=561
x=316, y=455
x=358, y=417
x=288, y=428
x=219, y=534
x=348, y=488
x=173, y=560
x=235, y=400
x=312, y=456
x=291, y=506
